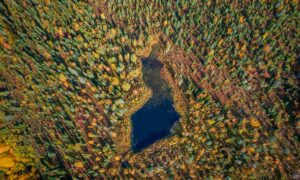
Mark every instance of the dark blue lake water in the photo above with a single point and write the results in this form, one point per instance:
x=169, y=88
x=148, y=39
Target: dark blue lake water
x=155, y=119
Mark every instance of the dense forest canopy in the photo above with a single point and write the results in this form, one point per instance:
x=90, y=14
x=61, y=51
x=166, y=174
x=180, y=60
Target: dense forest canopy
x=70, y=78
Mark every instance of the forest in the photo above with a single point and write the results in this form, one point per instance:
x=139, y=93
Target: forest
x=71, y=78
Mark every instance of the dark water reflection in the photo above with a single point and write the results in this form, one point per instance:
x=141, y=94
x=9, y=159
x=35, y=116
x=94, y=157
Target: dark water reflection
x=154, y=120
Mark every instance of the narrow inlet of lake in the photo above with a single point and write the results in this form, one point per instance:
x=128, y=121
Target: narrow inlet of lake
x=155, y=119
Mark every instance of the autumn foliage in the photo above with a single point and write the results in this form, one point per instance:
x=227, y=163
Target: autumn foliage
x=70, y=76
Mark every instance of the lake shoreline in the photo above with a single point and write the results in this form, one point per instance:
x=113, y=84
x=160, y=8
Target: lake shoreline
x=124, y=129
x=153, y=120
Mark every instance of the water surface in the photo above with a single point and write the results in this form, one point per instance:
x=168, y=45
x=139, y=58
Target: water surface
x=154, y=120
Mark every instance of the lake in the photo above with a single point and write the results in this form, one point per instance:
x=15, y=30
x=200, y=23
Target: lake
x=155, y=119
